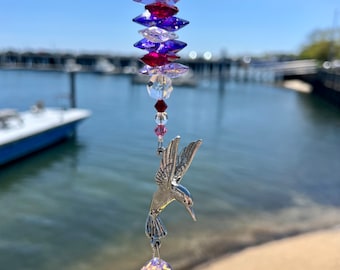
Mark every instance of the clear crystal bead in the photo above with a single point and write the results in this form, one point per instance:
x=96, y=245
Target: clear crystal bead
x=157, y=35
x=172, y=70
x=161, y=118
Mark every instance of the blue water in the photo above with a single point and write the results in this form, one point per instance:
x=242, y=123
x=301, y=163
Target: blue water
x=268, y=167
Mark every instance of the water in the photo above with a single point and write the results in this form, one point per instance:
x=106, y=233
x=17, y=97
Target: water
x=268, y=167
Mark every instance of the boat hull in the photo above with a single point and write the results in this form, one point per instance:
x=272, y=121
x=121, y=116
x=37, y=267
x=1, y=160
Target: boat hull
x=18, y=149
x=42, y=137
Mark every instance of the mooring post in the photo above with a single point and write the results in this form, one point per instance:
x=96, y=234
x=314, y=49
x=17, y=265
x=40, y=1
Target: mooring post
x=73, y=101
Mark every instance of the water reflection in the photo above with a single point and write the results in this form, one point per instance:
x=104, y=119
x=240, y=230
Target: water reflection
x=65, y=152
x=267, y=167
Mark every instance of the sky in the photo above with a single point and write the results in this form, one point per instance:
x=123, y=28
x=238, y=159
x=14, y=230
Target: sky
x=228, y=27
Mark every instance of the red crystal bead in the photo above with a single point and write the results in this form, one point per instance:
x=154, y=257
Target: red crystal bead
x=161, y=10
x=161, y=105
x=154, y=59
x=160, y=130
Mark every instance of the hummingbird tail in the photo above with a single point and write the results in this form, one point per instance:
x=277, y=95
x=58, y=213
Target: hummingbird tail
x=154, y=228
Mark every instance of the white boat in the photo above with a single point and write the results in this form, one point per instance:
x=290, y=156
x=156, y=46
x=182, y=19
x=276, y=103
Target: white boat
x=103, y=66
x=22, y=133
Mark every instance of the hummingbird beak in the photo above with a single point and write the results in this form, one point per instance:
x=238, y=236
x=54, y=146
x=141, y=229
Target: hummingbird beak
x=191, y=212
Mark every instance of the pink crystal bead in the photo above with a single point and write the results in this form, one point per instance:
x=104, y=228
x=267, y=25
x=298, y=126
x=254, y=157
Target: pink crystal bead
x=160, y=130
x=154, y=59
x=156, y=264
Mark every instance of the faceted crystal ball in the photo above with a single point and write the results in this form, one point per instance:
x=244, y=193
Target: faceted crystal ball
x=159, y=87
x=156, y=264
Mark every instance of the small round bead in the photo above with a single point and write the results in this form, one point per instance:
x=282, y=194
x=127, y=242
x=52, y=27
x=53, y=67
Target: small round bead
x=160, y=130
x=161, y=118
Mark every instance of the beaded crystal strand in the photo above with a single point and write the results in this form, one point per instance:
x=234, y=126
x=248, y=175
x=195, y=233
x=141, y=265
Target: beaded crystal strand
x=160, y=41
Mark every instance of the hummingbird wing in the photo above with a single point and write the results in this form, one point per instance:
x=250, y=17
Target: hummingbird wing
x=166, y=170
x=184, y=160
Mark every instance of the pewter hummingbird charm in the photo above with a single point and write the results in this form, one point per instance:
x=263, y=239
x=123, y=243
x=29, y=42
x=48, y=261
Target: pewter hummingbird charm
x=171, y=171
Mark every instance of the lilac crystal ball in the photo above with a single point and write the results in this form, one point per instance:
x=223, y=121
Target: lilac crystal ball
x=156, y=264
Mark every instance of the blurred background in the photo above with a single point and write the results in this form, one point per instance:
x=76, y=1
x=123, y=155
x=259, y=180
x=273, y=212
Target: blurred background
x=263, y=92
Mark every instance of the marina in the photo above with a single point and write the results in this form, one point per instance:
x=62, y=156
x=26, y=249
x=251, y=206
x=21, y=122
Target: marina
x=267, y=168
x=150, y=134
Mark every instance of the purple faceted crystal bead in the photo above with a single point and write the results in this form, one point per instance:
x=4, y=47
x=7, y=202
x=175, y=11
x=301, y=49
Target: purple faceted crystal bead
x=149, y=70
x=147, y=19
x=148, y=45
x=157, y=35
x=172, y=46
x=156, y=264
x=174, y=70
x=171, y=70
x=170, y=24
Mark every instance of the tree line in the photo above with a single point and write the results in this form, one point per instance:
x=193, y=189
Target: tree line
x=322, y=45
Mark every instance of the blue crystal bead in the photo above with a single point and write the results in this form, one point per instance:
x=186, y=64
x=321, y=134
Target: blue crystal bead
x=170, y=24
x=147, y=19
x=172, y=46
x=157, y=35
x=172, y=70
x=146, y=44
x=159, y=87
x=148, y=2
